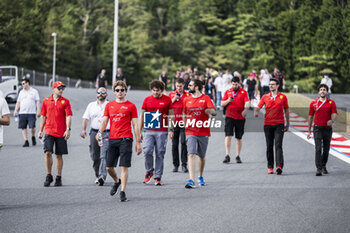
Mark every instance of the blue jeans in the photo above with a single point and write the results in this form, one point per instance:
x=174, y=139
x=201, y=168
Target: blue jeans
x=218, y=98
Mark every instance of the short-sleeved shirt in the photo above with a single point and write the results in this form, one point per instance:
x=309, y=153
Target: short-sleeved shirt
x=251, y=85
x=194, y=109
x=27, y=101
x=274, y=106
x=178, y=105
x=94, y=113
x=119, y=77
x=101, y=80
x=120, y=116
x=56, y=113
x=234, y=109
x=163, y=104
x=4, y=110
x=164, y=78
x=322, y=111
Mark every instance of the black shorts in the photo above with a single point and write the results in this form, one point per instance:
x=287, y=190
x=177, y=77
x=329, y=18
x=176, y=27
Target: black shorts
x=60, y=145
x=119, y=148
x=26, y=119
x=251, y=95
x=237, y=125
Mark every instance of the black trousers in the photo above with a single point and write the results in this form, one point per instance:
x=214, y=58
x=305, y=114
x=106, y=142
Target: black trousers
x=179, y=136
x=274, y=136
x=323, y=137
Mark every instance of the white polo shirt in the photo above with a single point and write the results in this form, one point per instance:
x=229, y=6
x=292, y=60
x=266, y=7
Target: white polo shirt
x=94, y=113
x=219, y=83
x=4, y=110
x=27, y=101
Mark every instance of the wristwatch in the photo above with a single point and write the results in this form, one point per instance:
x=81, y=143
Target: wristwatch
x=69, y=129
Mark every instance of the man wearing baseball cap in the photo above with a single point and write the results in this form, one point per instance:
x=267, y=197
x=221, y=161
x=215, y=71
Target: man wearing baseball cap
x=56, y=116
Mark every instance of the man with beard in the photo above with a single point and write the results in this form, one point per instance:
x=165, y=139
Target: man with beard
x=177, y=98
x=121, y=114
x=159, y=106
x=197, y=108
x=94, y=113
x=324, y=110
x=237, y=102
x=276, y=108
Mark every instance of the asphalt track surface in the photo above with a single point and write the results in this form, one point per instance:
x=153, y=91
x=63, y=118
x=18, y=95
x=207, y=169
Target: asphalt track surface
x=238, y=197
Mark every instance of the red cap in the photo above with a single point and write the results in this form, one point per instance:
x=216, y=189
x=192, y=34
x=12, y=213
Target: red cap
x=57, y=84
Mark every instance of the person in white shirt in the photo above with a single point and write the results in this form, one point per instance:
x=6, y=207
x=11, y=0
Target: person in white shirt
x=265, y=82
x=219, y=85
x=4, y=118
x=328, y=81
x=227, y=75
x=28, y=103
x=94, y=112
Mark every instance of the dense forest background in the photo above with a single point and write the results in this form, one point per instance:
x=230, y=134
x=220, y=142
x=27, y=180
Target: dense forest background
x=303, y=38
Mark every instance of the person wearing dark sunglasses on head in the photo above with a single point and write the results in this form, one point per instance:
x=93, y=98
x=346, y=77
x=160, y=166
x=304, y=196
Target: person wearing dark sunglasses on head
x=94, y=114
x=56, y=116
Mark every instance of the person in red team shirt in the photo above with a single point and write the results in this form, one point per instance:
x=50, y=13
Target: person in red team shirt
x=56, y=114
x=197, y=109
x=177, y=98
x=122, y=114
x=276, y=105
x=237, y=102
x=324, y=110
x=159, y=106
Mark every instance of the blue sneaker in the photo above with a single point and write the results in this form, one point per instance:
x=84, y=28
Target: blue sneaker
x=201, y=181
x=190, y=184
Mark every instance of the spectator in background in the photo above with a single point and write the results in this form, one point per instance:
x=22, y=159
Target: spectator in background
x=227, y=86
x=252, y=88
x=101, y=80
x=28, y=103
x=187, y=81
x=265, y=81
x=164, y=78
x=219, y=85
x=120, y=76
x=209, y=88
x=228, y=75
x=280, y=77
x=328, y=81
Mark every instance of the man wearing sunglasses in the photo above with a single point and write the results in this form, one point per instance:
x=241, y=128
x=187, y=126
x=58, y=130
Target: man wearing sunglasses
x=56, y=115
x=121, y=114
x=28, y=104
x=94, y=113
x=276, y=109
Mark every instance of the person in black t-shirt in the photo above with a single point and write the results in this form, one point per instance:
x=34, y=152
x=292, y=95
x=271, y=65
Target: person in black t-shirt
x=120, y=76
x=164, y=78
x=101, y=80
x=252, y=88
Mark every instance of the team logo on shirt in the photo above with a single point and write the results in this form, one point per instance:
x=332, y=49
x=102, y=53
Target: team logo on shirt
x=202, y=101
x=123, y=107
x=330, y=102
x=62, y=101
x=151, y=120
x=281, y=96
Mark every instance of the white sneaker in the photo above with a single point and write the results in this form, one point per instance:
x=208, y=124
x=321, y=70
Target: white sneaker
x=96, y=181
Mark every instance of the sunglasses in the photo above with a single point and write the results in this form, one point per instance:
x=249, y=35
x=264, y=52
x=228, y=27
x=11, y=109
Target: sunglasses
x=117, y=90
x=101, y=92
x=60, y=88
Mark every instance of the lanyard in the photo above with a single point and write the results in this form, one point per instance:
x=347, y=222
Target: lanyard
x=318, y=100
x=234, y=94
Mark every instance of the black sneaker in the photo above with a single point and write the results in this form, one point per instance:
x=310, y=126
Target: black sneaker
x=176, y=169
x=227, y=159
x=324, y=170
x=238, y=159
x=48, y=180
x=58, y=181
x=184, y=168
x=33, y=141
x=318, y=172
x=115, y=187
x=101, y=181
x=123, y=197
x=26, y=144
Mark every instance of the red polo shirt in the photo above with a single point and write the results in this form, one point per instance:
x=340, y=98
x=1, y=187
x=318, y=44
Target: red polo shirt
x=120, y=116
x=178, y=105
x=163, y=104
x=322, y=111
x=234, y=109
x=194, y=109
x=56, y=113
x=274, y=114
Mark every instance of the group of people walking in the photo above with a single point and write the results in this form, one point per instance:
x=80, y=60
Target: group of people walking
x=180, y=115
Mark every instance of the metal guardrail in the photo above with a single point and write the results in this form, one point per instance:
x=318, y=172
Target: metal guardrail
x=38, y=78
